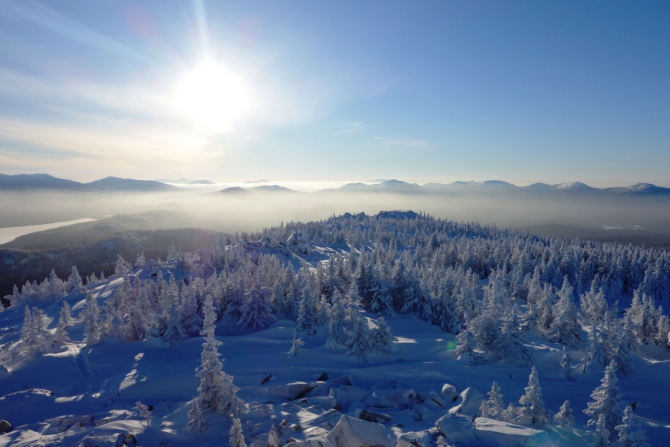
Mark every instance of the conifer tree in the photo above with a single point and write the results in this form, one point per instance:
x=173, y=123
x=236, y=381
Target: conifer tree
x=564, y=417
x=92, y=331
x=196, y=418
x=307, y=312
x=381, y=339
x=236, y=438
x=493, y=407
x=74, y=281
x=565, y=327
x=358, y=341
x=602, y=434
x=532, y=404
x=216, y=391
x=174, y=331
x=606, y=400
x=61, y=336
x=629, y=432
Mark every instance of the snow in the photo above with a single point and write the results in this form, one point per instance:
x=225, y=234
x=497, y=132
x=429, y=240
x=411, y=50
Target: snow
x=505, y=434
x=88, y=393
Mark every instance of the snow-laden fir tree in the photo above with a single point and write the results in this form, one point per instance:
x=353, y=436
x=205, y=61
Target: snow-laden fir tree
x=196, y=418
x=493, y=407
x=566, y=363
x=337, y=318
x=606, y=400
x=532, y=405
x=565, y=327
x=629, y=432
x=91, y=312
x=122, y=267
x=307, y=312
x=256, y=311
x=296, y=344
x=466, y=343
x=191, y=320
x=31, y=333
x=56, y=286
x=662, y=332
x=381, y=339
x=236, y=435
x=564, y=417
x=358, y=336
x=74, y=281
x=217, y=392
x=602, y=434
x=509, y=344
x=174, y=331
x=61, y=336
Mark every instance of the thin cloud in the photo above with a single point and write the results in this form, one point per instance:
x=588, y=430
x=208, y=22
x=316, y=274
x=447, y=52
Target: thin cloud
x=407, y=143
x=349, y=128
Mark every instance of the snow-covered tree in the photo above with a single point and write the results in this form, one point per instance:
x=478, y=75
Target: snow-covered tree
x=564, y=417
x=122, y=267
x=236, y=438
x=74, y=281
x=144, y=412
x=566, y=363
x=629, y=432
x=92, y=331
x=256, y=311
x=606, y=400
x=602, y=434
x=307, y=312
x=32, y=333
x=565, y=327
x=662, y=332
x=196, y=418
x=174, y=331
x=61, y=336
x=532, y=405
x=296, y=344
x=381, y=339
x=493, y=407
x=358, y=337
x=217, y=392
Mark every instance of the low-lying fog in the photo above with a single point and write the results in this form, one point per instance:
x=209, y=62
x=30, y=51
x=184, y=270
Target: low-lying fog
x=645, y=219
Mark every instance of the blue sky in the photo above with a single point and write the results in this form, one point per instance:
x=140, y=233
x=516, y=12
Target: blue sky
x=522, y=91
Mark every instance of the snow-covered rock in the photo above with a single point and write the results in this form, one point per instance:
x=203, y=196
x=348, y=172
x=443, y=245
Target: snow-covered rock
x=346, y=395
x=274, y=437
x=343, y=380
x=502, y=433
x=292, y=391
x=456, y=427
x=316, y=442
x=351, y=432
x=449, y=392
x=470, y=401
x=414, y=439
x=434, y=401
x=393, y=398
x=5, y=427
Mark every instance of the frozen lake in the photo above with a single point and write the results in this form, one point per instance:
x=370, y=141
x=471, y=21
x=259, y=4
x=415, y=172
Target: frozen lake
x=11, y=233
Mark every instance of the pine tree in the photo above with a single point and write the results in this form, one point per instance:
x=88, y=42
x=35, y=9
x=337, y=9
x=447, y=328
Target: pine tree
x=381, y=339
x=122, y=267
x=493, y=407
x=630, y=433
x=532, y=404
x=65, y=314
x=217, y=392
x=296, y=344
x=606, y=402
x=196, y=418
x=236, y=438
x=92, y=332
x=358, y=341
x=174, y=331
x=602, y=434
x=662, y=331
x=255, y=311
x=466, y=343
x=564, y=417
x=307, y=312
x=74, y=281
x=566, y=363
x=61, y=336
x=565, y=327
x=190, y=318
x=32, y=332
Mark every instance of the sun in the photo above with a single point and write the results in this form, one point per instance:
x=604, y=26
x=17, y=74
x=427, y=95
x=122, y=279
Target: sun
x=213, y=97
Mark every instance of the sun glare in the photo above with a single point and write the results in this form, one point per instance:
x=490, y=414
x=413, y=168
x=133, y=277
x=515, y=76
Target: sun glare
x=213, y=97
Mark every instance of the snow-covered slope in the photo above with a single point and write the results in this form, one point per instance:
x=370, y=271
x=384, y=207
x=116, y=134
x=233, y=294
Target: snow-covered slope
x=315, y=290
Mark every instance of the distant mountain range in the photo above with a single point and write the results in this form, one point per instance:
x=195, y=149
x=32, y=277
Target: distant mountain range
x=36, y=182
x=498, y=186
x=45, y=182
